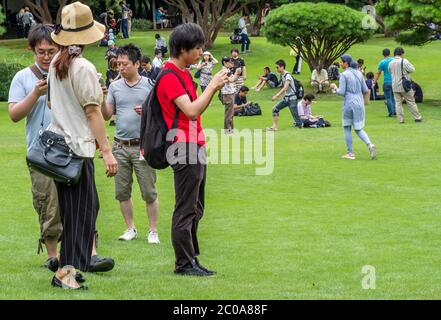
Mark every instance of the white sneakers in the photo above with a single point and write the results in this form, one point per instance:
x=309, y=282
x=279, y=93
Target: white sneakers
x=132, y=234
x=129, y=234
x=152, y=237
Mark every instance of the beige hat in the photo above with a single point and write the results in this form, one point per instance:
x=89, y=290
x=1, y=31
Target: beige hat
x=207, y=53
x=77, y=26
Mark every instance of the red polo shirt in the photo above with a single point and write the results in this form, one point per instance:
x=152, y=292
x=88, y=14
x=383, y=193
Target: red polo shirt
x=170, y=88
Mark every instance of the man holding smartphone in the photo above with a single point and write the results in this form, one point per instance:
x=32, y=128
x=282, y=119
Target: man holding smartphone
x=126, y=97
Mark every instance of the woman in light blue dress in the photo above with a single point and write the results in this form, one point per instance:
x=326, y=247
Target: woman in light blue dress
x=352, y=88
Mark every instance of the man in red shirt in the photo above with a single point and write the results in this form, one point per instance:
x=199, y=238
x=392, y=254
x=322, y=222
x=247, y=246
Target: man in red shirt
x=186, y=44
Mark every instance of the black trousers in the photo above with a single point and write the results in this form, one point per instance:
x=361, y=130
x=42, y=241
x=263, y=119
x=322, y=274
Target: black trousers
x=79, y=205
x=189, y=181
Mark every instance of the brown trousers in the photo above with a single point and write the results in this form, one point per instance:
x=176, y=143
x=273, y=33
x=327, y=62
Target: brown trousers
x=228, y=100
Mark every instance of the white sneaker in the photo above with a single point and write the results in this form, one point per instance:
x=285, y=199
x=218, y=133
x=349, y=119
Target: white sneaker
x=153, y=238
x=129, y=234
x=373, y=151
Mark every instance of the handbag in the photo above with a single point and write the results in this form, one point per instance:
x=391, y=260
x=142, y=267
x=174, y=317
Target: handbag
x=407, y=84
x=51, y=156
x=197, y=74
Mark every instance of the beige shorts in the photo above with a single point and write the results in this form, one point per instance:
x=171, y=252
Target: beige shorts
x=45, y=200
x=128, y=158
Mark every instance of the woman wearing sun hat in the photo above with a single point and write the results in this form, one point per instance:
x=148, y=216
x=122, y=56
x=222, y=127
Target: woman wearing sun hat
x=206, y=69
x=76, y=98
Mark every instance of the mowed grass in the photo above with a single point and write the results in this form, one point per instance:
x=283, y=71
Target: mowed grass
x=303, y=232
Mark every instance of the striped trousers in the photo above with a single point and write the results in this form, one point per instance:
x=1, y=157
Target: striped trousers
x=79, y=205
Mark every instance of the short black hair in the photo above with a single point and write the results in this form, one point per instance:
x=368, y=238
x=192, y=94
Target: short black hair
x=157, y=36
x=226, y=59
x=244, y=89
x=38, y=33
x=281, y=63
x=131, y=51
x=157, y=51
x=369, y=75
x=398, y=51
x=309, y=97
x=267, y=69
x=145, y=59
x=186, y=37
x=386, y=52
x=360, y=61
x=234, y=50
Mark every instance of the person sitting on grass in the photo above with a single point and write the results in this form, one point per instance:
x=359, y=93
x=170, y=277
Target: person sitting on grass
x=305, y=113
x=240, y=100
x=373, y=87
x=319, y=79
x=268, y=78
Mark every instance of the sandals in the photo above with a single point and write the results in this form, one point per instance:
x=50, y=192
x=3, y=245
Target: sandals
x=271, y=129
x=69, y=281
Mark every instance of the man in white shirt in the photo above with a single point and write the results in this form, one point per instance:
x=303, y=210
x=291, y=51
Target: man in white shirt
x=157, y=61
x=399, y=68
x=243, y=23
x=319, y=79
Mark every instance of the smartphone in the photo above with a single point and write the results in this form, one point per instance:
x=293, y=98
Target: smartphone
x=101, y=80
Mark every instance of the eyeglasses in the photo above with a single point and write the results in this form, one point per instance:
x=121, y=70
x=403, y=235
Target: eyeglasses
x=49, y=53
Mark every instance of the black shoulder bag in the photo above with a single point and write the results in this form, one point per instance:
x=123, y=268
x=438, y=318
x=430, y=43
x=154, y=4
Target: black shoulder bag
x=51, y=156
x=407, y=84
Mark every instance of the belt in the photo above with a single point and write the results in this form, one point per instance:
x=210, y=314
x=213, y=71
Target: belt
x=131, y=142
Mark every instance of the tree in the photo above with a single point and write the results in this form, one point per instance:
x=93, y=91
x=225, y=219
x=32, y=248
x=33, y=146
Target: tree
x=2, y=19
x=321, y=32
x=210, y=14
x=417, y=21
x=40, y=9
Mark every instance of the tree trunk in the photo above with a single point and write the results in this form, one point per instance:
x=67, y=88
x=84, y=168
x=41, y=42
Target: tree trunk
x=209, y=14
x=41, y=12
x=257, y=25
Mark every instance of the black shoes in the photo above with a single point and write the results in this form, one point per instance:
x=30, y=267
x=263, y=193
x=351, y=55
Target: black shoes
x=419, y=120
x=51, y=264
x=194, y=269
x=98, y=264
x=210, y=272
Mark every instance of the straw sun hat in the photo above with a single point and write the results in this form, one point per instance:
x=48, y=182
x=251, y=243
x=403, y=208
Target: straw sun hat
x=77, y=26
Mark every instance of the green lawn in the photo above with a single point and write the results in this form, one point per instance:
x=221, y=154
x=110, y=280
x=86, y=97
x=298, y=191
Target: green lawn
x=304, y=232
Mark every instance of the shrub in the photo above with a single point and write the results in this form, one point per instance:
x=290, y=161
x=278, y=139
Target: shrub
x=7, y=73
x=141, y=25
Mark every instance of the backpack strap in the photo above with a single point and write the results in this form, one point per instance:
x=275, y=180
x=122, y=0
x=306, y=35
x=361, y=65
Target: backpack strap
x=162, y=74
x=36, y=71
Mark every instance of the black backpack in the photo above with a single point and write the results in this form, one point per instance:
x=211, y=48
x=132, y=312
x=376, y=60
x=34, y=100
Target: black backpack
x=299, y=91
x=154, y=130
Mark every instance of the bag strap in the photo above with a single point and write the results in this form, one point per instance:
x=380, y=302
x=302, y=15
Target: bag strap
x=162, y=74
x=36, y=71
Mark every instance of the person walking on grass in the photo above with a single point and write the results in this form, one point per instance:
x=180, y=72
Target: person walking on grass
x=352, y=88
x=289, y=98
x=176, y=93
x=76, y=99
x=401, y=68
x=125, y=97
x=383, y=67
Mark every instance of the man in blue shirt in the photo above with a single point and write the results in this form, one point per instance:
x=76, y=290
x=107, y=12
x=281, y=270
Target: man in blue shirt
x=383, y=66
